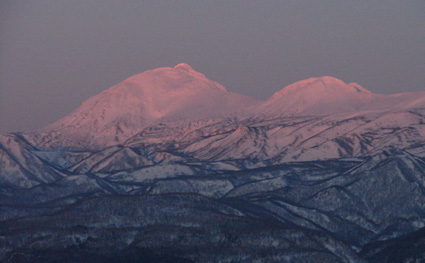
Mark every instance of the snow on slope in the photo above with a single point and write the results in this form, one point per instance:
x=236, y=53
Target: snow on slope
x=19, y=167
x=162, y=94
x=329, y=96
x=181, y=95
x=322, y=95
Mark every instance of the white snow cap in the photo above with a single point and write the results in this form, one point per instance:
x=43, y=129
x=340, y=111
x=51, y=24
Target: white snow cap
x=320, y=87
x=318, y=96
x=328, y=95
x=181, y=93
x=165, y=93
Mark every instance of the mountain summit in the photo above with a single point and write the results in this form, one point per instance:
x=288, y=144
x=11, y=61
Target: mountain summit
x=319, y=95
x=319, y=87
x=160, y=162
x=181, y=93
x=163, y=94
x=329, y=96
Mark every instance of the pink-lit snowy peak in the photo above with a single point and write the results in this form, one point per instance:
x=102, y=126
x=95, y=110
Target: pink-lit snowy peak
x=161, y=94
x=328, y=96
x=183, y=94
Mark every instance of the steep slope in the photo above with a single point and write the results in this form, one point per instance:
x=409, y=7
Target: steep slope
x=161, y=94
x=20, y=167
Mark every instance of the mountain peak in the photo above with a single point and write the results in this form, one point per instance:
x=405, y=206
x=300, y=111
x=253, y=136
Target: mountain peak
x=322, y=79
x=318, y=95
x=167, y=93
x=184, y=66
x=321, y=86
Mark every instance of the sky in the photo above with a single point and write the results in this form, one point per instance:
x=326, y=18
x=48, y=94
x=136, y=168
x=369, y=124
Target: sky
x=56, y=54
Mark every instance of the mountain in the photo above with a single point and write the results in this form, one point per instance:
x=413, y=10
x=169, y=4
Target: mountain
x=169, y=166
x=329, y=96
x=163, y=94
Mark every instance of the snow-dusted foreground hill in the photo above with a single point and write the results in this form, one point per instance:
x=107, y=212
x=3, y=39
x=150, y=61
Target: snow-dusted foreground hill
x=168, y=166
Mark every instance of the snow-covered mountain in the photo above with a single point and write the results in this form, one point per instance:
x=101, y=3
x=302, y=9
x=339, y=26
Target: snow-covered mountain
x=330, y=96
x=168, y=166
x=158, y=95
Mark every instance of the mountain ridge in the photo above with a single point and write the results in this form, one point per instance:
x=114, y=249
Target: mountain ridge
x=177, y=92
x=181, y=94
x=161, y=94
x=264, y=184
x=329, y=96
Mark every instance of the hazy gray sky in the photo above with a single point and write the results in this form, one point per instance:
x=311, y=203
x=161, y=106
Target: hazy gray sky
x=56, y=54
